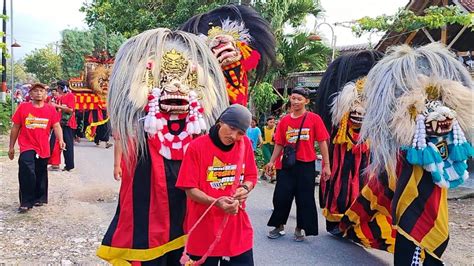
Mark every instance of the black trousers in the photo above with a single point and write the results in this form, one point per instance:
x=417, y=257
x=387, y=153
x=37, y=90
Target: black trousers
x=404, y=250
x=296, y=183
x=33, y=179
x=244, y=259
x=68, y=137
x=102, y=133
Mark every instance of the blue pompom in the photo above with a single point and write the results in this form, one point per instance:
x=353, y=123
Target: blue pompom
x=428, y=156
x=460, y=168
x=412, y=156
x=468, y=149
x=457, y=153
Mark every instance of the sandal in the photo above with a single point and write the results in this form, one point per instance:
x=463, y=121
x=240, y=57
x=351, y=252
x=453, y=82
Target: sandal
x=299, y=236
x=23, y=209
x=38, y=204
x=276, y=233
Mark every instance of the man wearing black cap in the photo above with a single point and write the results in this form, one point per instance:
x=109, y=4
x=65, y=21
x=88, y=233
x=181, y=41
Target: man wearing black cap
x=208, y=173
x=32, y=124
x=299, y=129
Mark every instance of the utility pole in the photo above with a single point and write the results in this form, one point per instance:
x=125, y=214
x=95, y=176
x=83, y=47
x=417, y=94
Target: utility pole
x=3, y=94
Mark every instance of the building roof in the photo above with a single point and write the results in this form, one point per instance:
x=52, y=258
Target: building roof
x=464, y=43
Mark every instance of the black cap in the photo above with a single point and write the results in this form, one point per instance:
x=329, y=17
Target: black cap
x=236, y=116
x=301, y=91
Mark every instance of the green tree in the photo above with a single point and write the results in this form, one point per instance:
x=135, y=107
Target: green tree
x=45, y=64
x=20, y=73
x=75, y=44
x=282, y=12
x=133, y=17
x=298, y=53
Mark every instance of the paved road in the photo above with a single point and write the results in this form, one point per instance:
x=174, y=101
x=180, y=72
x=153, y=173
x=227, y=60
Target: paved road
x=94, y=165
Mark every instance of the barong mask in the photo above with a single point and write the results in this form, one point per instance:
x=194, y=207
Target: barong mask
x=241, y=40
x=439, y=144
x=168, y=85
x=421, y=101
x=348, y=110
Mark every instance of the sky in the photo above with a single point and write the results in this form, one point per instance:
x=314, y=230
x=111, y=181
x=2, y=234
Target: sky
x=40, y=22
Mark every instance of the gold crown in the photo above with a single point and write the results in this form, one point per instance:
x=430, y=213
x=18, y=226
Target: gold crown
x=216, y=30
x=432, y=93
x=360, y=84
x=174, y=63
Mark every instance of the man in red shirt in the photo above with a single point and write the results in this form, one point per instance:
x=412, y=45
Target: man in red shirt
x=66, y=105
x=208, y=174
x=298, y=181
x=32, y=123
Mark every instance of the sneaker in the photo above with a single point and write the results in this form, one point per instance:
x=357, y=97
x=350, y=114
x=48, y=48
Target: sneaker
x=68, y=170
x=276, y=233
x=299, y=236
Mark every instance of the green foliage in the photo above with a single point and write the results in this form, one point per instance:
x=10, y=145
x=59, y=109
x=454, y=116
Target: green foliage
x=259, y=158
x=20, y=73
x=435, y=17
x=263, y=97
x=281, y=12
x=5, y=116
x=76, y=44
x=133, y=17
x=45, y=64
x=3, y=46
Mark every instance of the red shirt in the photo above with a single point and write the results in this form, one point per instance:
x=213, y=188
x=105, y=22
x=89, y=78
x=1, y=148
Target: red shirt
x=69, y=100
x=35, y=127
x=213, y=171
x=313, y=130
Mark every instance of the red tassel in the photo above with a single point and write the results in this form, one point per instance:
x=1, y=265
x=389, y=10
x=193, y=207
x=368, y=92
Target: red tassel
x=194, y=104
x=147, y=109
x=151, y=97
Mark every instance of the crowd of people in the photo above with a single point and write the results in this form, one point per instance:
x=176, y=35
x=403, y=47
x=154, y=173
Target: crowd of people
x=393, y=131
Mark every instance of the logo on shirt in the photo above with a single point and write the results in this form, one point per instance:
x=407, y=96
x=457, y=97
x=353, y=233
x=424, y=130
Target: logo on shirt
x=292, y=134
x=220, y=175
x=32, y=122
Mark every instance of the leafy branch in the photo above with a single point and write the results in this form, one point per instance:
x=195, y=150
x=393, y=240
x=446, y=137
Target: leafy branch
x=434, y=17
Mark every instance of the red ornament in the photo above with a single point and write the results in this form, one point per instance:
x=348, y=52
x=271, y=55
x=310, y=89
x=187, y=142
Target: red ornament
x=192, y=118
x=201, y=110
x=147, y=108
x=151, y=97
x=194, y=104
x=158, y=115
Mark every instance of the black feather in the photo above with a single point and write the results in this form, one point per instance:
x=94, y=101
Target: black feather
x=345, y=68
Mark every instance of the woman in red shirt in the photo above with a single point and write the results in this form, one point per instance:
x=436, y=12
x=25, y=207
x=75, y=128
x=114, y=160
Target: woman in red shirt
x=208, y=173
x=32, y=123
x=298, y=181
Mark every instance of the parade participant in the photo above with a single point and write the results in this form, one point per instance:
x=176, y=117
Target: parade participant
x=418, y=120
x=165, y=87
x=32, y=123
x=102, y=134
x=66, y=106
x=55, y=159
x=340, y=103
x=220, y=168
x=241, y=40
x=254, y=134
x=295, y=135
x=268, y=144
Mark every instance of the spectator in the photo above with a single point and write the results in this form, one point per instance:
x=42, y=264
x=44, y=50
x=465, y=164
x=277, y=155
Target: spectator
x=298, y=181
x=254, y=134
x=208, y=174
x=66, y=105
x=268, y=143
x=32, y=123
